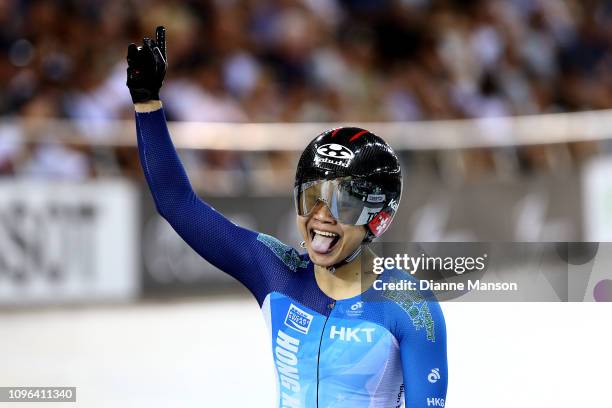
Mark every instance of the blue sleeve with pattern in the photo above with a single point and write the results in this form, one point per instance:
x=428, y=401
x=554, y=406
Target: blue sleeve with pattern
x=231, y=248
x=423, y=350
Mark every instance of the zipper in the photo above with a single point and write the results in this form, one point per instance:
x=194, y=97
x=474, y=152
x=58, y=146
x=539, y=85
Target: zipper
x=330, y=306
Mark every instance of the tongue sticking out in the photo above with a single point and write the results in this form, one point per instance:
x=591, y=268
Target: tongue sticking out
x=321, y=243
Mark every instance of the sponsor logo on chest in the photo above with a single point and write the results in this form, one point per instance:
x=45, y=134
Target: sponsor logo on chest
x=286, y=359
x=350, y=334
x=298, y=319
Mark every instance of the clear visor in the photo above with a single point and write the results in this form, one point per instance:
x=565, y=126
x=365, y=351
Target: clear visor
x=353, y=202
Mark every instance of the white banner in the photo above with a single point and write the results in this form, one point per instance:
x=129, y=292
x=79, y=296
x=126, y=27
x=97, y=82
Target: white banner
x=68, y=242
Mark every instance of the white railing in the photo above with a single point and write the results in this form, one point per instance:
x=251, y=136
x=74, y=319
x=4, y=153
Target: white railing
x=425, y=135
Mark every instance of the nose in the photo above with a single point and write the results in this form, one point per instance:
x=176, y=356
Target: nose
x=321, y=213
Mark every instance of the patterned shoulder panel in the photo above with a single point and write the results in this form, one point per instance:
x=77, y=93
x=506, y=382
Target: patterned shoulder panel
x=414, y=303
x=288, y=255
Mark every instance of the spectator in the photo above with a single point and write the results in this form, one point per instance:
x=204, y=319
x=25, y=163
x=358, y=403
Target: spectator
x=306, y=60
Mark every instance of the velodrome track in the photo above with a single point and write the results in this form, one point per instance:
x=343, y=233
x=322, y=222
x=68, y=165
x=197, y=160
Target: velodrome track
x=215, y=353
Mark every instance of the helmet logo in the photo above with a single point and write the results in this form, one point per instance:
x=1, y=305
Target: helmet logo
x=380, y=223
x=335, y=151
x=375, y=198
x=335, y=154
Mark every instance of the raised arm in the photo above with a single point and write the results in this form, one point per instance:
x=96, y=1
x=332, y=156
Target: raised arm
x=226, y=245
x=229, y=247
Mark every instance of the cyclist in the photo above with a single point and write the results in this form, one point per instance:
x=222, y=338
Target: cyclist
x=336, y=341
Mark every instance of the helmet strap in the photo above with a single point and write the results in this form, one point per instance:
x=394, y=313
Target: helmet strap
x=346, y=260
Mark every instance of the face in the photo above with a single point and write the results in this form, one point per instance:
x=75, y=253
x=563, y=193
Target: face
x=327, y=240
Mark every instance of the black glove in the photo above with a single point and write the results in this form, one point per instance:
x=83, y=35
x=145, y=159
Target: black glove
x=147, y=67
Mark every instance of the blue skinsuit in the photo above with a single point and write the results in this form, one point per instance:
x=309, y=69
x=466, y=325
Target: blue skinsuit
x=372, y=350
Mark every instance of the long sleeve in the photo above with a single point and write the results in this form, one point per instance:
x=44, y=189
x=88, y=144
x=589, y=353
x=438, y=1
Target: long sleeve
x=424, y=360
x=231, y=248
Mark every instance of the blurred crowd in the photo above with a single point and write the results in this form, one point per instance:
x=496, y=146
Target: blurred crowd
x=298, y=60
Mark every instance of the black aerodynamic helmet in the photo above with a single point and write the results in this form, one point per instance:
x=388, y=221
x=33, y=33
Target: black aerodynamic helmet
x=355, y=173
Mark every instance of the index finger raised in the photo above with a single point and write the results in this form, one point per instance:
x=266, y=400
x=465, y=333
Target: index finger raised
x=160, y=39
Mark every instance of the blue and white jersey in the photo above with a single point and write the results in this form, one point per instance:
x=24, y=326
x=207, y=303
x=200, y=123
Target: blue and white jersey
x=378, y=349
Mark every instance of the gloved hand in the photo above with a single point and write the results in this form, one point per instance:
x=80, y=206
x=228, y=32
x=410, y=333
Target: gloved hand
x=147, y=67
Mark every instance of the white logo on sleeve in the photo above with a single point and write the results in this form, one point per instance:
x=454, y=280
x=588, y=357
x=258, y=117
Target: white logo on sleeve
x=434, y=376
x=298, y=320
x=435, y=402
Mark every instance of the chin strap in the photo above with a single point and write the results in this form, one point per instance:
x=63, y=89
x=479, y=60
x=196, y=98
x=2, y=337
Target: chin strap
x=346, y=260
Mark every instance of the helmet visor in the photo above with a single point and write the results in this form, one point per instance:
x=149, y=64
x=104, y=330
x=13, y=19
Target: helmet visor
x=350, y=201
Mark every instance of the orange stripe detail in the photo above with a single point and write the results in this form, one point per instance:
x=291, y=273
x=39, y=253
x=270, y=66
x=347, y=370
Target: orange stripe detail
x=357, y=135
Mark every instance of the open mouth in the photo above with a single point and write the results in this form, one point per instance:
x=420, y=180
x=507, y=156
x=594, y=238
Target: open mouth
x=323, y=242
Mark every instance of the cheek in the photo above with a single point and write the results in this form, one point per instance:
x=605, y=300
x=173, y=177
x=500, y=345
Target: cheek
x=354, y=235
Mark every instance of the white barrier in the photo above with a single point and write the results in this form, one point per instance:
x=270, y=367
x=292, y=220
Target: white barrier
x=425, y=135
